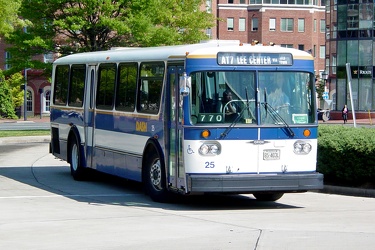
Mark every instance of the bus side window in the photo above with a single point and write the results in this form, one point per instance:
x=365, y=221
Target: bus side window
x=151, y=82
x=77, y=85
x=61, y=85
x=150, y=96
x=106, y=86
x=126, y=87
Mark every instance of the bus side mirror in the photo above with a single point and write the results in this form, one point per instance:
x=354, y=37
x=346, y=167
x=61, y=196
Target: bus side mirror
x=185, y=85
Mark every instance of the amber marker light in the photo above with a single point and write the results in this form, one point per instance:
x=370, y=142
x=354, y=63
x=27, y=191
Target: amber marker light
x=306, y=133
x=205, y=133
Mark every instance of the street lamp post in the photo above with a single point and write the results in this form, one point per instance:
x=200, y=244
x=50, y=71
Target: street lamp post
x=25, y=96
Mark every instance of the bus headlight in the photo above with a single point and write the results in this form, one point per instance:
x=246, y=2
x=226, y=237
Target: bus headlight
x=210, y=148
x=302, y=148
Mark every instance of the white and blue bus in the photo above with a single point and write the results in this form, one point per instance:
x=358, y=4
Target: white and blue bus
x=214, y=117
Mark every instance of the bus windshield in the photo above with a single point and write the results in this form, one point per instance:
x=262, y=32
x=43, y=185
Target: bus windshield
x=227, y=97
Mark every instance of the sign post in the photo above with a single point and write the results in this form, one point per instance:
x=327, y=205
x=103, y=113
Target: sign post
x=349, y=74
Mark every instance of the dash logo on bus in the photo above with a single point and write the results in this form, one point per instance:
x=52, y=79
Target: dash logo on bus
x=141, y=126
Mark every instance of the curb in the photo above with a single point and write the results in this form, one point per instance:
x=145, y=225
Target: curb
x=25, y=139
x=350, y=191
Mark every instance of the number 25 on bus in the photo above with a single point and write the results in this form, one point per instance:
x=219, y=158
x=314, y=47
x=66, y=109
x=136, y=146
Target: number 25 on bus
x=213, y=117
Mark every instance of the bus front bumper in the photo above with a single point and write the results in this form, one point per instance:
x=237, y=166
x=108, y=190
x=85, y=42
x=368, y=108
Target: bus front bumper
x=248, y=183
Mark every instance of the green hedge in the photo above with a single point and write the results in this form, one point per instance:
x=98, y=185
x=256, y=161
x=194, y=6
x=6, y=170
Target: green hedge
x=346, y=155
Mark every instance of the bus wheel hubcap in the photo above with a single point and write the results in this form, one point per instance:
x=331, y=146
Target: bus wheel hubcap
x=155, y=174
x=75, y=157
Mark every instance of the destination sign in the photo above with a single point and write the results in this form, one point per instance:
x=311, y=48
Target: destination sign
x=261, y=59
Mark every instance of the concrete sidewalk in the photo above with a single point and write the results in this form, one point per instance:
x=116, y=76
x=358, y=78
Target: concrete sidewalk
x=25, y=139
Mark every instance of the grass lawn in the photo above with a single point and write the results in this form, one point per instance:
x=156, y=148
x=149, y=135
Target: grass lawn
x=8, y=133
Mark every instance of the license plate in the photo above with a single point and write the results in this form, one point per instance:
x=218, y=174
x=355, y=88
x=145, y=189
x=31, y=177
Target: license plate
x=271, y=154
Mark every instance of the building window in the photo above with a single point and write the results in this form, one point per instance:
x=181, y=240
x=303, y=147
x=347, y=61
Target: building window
x=301, y=47
x=209, y=6
x=290, y=46
x=272, y=24
x=322, y=26
x=47, y=96
x=366, y=16
x=230, y=24
x=29, y=101
x=301, y=25
x=48, y=58
x=314, y=25
x=254, y=24
x=322, y=51
x=7, y=58
x=333, y=63
x=242, y=1
x=286, y=24
x=314, y=51
x=209, y=33
x=230, y=1
x=242, y=24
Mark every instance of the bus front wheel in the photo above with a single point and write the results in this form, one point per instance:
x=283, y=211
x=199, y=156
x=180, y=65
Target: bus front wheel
x=268, y=196
x=155, y=179
x=76, y=169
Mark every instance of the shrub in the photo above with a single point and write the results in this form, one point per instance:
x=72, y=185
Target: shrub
x=346, y=154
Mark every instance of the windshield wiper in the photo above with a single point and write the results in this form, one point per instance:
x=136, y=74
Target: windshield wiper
x=228, y=129
x=248, y=103
x=277, y=117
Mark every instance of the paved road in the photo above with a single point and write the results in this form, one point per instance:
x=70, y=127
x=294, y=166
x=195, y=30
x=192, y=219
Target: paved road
x=43, y=208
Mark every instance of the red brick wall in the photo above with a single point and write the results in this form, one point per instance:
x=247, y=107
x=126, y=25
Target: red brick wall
x=309, y=38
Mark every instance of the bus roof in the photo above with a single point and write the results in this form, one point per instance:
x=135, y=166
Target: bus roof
x=207, y=49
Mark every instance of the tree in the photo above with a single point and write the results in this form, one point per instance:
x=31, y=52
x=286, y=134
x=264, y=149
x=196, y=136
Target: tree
x=6, y=100
x=9, y=16
x=14, y=82
x=65, y=26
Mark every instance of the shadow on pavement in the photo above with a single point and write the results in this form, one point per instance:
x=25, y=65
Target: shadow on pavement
x=102, y=189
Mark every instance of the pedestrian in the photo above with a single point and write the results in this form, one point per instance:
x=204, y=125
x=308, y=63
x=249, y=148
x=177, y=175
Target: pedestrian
x=345, y=113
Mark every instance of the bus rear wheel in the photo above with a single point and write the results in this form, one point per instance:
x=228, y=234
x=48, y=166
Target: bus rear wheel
x=155, y=179
x=76, y=169
x=268, y=196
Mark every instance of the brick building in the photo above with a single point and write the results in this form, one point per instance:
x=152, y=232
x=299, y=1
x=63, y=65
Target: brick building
x=38, y=86
x=297, y=24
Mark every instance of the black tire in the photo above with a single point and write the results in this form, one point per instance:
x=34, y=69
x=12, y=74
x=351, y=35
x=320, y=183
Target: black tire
x=268, y=196
x=76, y=169
x=155, y=179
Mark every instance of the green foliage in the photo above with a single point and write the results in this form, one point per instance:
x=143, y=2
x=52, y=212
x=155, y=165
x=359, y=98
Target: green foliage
x=65, y=27
x=9, y=16
x=14, y=82
x=320, y=89
x=346, y=154
x=6, y=102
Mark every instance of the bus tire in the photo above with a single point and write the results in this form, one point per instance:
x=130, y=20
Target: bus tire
x=76, y=169
x=155, y=180
x=268, y=196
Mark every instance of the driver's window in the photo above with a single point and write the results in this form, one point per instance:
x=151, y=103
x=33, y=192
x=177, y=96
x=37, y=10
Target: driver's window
x=219, y=97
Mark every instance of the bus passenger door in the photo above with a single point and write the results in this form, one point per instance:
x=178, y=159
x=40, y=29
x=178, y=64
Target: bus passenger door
x=173, y=126
x=89, y=114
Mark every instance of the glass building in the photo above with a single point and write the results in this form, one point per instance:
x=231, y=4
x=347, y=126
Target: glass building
x=350, y=38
